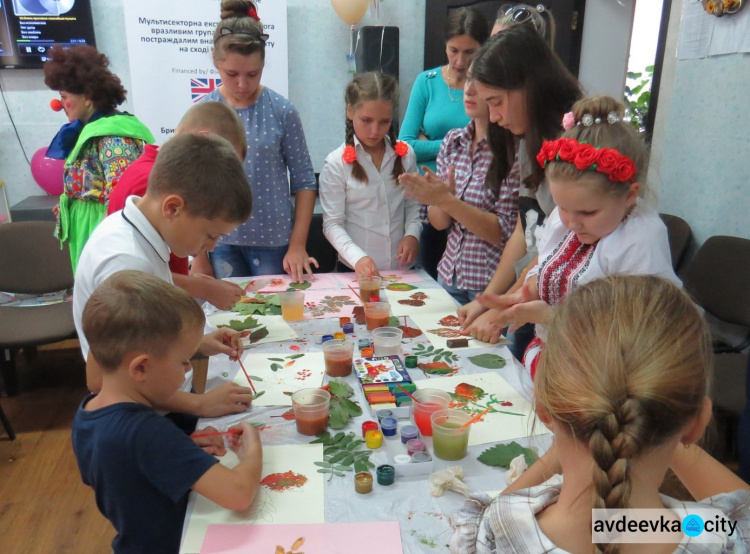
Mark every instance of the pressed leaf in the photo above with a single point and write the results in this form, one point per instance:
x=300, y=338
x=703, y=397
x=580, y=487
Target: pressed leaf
x=393, y=321
x=322, y=464
x=340, y=388
x=352, y=409
x=488, y=361
x=299, y=542
x=502, y=454
x=254, y=378
x=329, y=470
x=275, y=359
x=445, y=332
x=258, y=334
x=304, y=285
x=437, y=368
x=276, y=367
x=343, y=467
x=360, y=465
x=259, y=394
x=400, y=286
x=347, y=460
x=321, y=438
x=295, y=356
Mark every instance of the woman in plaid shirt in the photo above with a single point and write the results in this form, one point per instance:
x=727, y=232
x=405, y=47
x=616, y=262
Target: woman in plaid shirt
x=480, y=215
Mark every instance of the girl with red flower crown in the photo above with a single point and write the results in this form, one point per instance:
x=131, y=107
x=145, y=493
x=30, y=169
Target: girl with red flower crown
x=365, y=215
x=600, y=226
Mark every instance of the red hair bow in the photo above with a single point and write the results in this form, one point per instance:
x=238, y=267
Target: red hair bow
x=252, y=13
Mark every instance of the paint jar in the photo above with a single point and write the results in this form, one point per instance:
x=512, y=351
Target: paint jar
x=408, y=432
x=387, y=341
x=311, y=410
x=292, y=305
x=363, y=343
x=367, y=352
x=386, y=475
x=389, y=425
x=428, y=401
x=369, y=426
x=348, y=328
x=401, y=459
x=415, y=445
x=339, y=335
x=383, y=414
x=363, y=482
x=318, y=338
x=373, y=439
x=326, y=338
x=369, y=288
x=411, y=361
x=344, y=320
x=449, y=440
x=338, y=355
x=377, y=314
x=421, y=457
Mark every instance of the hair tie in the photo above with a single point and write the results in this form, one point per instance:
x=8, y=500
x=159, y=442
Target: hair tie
x=252, y=13
x=618, y=167
x=568, y=121
x=401, y=148
x=349, y=155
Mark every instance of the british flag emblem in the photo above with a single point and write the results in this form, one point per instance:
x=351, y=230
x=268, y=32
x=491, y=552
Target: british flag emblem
x=199, y=88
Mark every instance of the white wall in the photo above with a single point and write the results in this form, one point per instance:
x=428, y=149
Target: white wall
x=701, y=140
x=318, y=44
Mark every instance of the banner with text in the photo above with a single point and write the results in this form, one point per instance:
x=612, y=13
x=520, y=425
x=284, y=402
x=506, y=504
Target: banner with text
x=169, y=47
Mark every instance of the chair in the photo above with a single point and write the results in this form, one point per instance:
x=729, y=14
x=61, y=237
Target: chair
x=33, y=263
x=716, y=277
x=680, y=235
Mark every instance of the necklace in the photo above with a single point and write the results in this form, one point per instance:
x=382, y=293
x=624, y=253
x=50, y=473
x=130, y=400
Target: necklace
x=448, y=81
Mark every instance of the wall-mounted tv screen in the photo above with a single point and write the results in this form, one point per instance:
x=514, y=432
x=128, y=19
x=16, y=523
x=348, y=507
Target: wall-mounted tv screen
x=29, y=28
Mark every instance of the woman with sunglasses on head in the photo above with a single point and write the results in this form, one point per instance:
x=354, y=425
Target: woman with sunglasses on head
x=436, y=106
x=527, y=90
x=271, y=241
x=537, y=17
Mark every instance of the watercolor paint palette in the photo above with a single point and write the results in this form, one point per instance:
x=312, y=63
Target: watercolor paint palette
x=381, y=370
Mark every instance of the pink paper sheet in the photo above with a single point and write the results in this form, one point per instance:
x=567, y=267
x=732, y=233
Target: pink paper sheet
x=326, y=538
x=388, y=275
x=330, y=303
x=280, y=283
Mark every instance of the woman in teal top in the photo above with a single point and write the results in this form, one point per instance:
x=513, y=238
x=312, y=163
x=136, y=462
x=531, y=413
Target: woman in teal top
x=436, y=106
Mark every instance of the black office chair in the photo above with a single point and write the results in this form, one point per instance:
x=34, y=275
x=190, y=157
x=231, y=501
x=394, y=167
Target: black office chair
x=717, y=278
x=33, y=263
x=680, y=235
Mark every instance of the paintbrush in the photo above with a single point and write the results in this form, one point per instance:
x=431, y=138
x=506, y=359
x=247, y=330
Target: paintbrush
x=247, y=376
x=410, y=395
x=233, y=431
x=475, y=418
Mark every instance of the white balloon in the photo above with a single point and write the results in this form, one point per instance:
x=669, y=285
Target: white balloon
x=350, y=11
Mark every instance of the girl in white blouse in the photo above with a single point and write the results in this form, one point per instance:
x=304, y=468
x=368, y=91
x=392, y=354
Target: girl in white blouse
x=600, y=227
x=365, y=215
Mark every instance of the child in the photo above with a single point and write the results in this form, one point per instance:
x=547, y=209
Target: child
x=208, y=117
x=623, y=385
x=271, y=241
x=479, y=212
x=600, y=227
x=365, y=215
x=142, y=332
x=197, y=193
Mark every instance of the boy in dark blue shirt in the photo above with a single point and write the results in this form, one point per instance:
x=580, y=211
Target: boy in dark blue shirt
x=142, y=332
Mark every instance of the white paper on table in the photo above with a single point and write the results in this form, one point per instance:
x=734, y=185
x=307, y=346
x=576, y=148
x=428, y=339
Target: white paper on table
x=436, y=301
x=731, y=34
x=293, y=372
x=430, y=324
x=278, y=329
x=303, y=504
x=388, y=275
x=494, y=426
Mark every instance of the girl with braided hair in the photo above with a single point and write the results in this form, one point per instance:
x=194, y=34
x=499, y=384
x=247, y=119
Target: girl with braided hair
x=623, y=385
x=600, y=226
x=365, y=215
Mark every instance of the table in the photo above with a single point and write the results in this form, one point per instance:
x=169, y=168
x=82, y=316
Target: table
x=422, y=517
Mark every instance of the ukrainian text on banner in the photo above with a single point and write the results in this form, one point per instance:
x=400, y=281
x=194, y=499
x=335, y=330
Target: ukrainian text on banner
x=169, y=47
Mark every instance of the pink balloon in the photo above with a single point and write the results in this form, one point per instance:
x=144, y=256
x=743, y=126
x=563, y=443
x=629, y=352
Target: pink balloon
x=47, y=172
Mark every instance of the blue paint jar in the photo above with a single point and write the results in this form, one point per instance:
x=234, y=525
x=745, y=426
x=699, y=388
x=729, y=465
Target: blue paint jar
x=327, y=338
x=409, y=432
x=348, y=328
x=389, y=425
x=386, y=475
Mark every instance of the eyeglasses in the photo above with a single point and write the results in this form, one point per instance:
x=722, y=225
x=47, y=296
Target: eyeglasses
x=520, y=14
x=263, y=37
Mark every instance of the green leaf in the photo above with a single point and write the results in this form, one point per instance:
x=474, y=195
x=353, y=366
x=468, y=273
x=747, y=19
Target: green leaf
x=330, y=450
x=400, y=286
x=325, y=470
x=304, y=285
x=348, y=460
x=351, y=408
x=502, y=454
x=338, y=436
x=254, y=378
x=488, y=361
x=340, y=388
x=259, y=394
x=322, y=464
x=295, y=356
x=337, y=457
x=321, y=438
x=224, y=374
x=273, y=310
x=275, y=359
x=258, y=334
x=393, y=321
x=360, y=465
x=338, y=473
x=242, y=325
x=245, y=308
x=275, y=367
x=354, y=444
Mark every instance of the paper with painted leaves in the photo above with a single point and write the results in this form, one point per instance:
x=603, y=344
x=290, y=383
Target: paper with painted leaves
x=438, y=328
x=291, y=491
x=278, y=329
x=282, y=283
x=365, y=538
x=388, y=275
x=420, y=301
x=510, y=415
x=277, y=376
x=330, y=303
